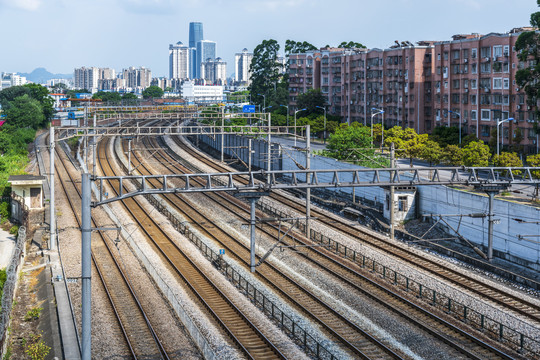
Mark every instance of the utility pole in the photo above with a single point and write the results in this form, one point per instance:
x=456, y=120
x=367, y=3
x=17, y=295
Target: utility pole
x=308, y=178
x=249, y=154
x=269, y=146
x=222, y=133
x=392, y=214
x=95, y=146
x=52, y=219
x=86, y=272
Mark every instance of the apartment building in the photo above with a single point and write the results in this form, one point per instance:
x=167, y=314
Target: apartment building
x=137, y=78
x=468, y=81
x=179, y=61
x=475, y=88
x=214, y=72
x=242, y=62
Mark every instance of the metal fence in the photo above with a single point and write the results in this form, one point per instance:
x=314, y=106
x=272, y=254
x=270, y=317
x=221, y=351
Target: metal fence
x=10, y=285
x=493, y=328
x=274, y=312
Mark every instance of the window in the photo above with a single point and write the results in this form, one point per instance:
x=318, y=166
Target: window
x=466, y=83
x=455, y=69
x=446, y=84
x=455, y=98
x=485, y=83
x=402, y=203
x=474, y=53
x=445, y=55
x=465, y=69
x=497, y=83
x=485, y=52
x=455, y=84
x=506, y=50
x=497, y=51
x=506, y=99
x=485, y=116
x=439, y=57
x=455, y=54
x=506, y=67
x=473, y=99
x=485, y=68
x=506, y=83
x=474, y=68
x=474, y=84
x=473, y=114
x=484, y=130
x=521, y=99
x=465, y=53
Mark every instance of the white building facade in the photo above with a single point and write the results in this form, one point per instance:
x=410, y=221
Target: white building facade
x=202, y=93
x=242, y=62
x=179, y=61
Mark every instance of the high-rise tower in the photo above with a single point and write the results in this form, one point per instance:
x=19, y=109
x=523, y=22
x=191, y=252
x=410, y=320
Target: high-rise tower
x=179, y=61
x=195, y=33
x=206, y=49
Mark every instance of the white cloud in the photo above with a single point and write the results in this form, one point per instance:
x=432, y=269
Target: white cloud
x=29, y=5
x=148, y=6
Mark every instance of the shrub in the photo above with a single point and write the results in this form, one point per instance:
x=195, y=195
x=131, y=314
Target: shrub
x=14, y=230
x=33, y=314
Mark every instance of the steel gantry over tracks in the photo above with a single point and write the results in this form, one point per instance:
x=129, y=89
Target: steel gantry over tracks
x=295, y=179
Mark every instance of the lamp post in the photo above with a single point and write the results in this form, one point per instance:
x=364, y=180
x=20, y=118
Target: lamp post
x=264, y=99
x=375, y=111
x=324, y=108
x=499, y=123
x=287, y=106
x=268, y=107
x=459, y=117
x=297, y=111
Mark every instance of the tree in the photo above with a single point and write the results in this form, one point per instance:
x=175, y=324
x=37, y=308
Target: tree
x=406, y=140
x=294, y=47
x=508, y=159
x=452, y=155
x=265, y=71
x=527, y=46
x=107, y=96
x=445, y=135
x=129, y=96
x=71, y=94
x=476, y=153
x=351, y=45
x=310, y=100
x=467, y=139
x=534, y=161
x=152, y=92
x=347, y=138
x=431, y=152
x=24, y=112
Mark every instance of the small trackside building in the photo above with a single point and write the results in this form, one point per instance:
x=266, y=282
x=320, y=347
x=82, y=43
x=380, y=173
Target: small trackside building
x=29, y=189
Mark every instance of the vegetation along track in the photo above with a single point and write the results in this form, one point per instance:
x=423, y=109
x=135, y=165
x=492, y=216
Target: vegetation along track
x=134, y=325
x=496, y=295
x=238, y=327
x=349, y=274
x=357, y=340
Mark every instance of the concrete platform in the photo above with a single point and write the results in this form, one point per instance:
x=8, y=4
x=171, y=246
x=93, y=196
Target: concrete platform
x=7, y=244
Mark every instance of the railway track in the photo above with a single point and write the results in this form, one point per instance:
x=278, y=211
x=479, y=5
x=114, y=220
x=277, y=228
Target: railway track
x=349, y=275
x=361, y=343
x=139, y=335
x=500, y=297
x=236, y=324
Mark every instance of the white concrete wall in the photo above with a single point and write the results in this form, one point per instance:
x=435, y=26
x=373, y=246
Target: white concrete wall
x=436, y=199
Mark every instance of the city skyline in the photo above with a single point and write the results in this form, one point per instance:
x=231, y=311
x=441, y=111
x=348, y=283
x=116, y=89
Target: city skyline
x=137, y=33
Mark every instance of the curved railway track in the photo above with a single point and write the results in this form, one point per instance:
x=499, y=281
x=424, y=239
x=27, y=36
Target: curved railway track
x=360, y=342
x=238, y=327
x=141, y=339
x=512, y=302
x=434, y=325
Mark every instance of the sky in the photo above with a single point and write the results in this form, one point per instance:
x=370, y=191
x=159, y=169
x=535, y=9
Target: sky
x=61, y=35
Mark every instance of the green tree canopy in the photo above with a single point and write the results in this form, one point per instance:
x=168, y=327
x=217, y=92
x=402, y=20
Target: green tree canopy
x=298, y=47
x=453, y=155
x=528, y=78
x=445, y=135
x=265, y=72
x=129, y=96
x=534, y=161
x=24, y=112
x=476, y=153
x=351, y=45
x=350, y=139
x=71, y=94
x=310, y=100
x=152, y=92
x=431, y=152
x=106, y=96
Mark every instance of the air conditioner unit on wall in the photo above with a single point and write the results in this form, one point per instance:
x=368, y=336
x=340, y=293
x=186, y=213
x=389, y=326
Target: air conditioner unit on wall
x=518, y=107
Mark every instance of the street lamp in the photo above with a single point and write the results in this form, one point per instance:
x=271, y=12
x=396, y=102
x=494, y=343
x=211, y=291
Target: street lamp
x=499, y=123
x=324, y=108
x=268, y=107
x=375, y=111
x=459, y=116
x=264, y=99
x=297, y=111
x=287, y=106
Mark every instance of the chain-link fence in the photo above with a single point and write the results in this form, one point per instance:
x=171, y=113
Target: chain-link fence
x=10, y=284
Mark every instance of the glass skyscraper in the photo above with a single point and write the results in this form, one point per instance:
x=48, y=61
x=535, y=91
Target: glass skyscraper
x=206, y=49
x=195, y=33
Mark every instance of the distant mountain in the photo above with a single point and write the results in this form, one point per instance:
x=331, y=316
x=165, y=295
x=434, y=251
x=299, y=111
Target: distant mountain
x=41, y=75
